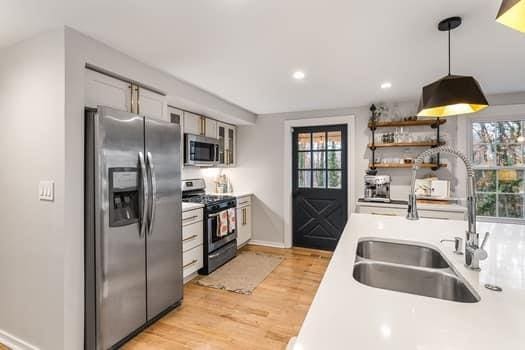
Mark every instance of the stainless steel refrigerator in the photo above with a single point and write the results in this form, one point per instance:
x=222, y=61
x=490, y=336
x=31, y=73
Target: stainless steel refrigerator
x=133, y=230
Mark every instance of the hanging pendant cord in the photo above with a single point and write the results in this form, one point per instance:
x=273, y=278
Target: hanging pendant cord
x=449, y=49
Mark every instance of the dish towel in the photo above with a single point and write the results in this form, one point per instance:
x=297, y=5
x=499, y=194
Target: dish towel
x=232, y=220
x=222, y=227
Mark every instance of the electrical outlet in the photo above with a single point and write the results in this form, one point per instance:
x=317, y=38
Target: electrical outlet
x=46, y=190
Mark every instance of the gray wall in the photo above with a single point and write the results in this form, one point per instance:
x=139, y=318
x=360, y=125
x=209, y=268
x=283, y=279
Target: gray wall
x=32, y=148
x=260, y=161
x=41, y=138
x=80, y=50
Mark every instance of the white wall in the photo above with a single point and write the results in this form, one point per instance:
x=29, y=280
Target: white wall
x=260, y=165
x=260, y=158
x=32, y=232
x=80, y=50
x=41, y=243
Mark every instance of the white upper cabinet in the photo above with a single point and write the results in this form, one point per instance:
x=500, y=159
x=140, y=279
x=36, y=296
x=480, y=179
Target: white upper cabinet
x=153, y=105
x=210, y=128
x=193, y=123
x=104, y=90
x=226, y=134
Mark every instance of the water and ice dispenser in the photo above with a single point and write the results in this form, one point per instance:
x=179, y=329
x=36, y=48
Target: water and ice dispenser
x=123, y=196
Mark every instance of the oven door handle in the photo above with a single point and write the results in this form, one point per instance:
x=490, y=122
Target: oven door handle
x=214, y=215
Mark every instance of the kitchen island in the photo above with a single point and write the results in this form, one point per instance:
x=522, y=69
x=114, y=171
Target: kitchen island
x=346, y=314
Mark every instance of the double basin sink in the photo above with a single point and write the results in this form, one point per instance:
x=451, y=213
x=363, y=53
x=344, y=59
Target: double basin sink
x=410, y=268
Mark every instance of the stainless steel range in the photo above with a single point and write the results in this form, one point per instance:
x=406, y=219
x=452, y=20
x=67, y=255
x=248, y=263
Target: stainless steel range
x=220, y=224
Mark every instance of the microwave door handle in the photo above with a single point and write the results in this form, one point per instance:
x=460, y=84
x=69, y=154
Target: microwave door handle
x=151, y=168
x=216, y=153
x=145, y=195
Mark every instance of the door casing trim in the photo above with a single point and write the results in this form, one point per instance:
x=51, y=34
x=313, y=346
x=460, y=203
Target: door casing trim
x=287, y=165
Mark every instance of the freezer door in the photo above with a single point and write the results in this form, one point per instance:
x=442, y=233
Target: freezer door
x=164, y=236
x=118, y=243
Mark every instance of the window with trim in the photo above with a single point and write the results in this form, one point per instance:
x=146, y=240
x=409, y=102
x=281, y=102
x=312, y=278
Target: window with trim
x=498, y=156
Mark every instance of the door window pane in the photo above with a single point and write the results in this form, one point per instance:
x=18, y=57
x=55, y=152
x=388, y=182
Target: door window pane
x=485, y=180
x=319, y=140
x=303, y=179
x=510, y=206
x=486, y=204
x=319, y=179
x=334, y=140
x=304, y=160
x=334, y=160
x=304, y=141
x=319, y=160
x=334, y=179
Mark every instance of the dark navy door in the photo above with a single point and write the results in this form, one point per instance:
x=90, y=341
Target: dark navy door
x=319, y=185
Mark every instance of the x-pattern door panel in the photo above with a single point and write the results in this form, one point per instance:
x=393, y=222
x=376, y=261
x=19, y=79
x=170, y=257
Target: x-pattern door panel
x=319, y=185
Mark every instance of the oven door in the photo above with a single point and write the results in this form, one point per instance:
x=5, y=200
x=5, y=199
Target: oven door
x=200, y=150
x=215, y=240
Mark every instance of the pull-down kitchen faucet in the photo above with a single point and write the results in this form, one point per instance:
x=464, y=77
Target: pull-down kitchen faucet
x=473, y=252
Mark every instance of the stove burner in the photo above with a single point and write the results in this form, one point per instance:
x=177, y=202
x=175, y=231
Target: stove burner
x=207, y=198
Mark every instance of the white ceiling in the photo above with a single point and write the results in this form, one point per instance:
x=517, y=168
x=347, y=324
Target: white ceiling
x=246, y=50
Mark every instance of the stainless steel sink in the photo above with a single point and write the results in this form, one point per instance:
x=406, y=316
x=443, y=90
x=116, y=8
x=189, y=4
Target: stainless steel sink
x=406, y=254
x=410, y=268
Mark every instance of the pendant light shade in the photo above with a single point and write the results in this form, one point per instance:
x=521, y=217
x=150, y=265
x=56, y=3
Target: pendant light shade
x=512, y=14
x=452, y=94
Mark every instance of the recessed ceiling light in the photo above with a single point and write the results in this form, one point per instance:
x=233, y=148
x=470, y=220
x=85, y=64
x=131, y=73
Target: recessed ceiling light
x=298, y=75
x=386, y=85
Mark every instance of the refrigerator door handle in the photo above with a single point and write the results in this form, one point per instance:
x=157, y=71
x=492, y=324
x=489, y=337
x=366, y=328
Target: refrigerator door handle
x=145, y=195
x=151, y=168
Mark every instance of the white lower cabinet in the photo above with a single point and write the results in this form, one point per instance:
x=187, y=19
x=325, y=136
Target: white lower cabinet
x=192, y=242
x=427, y=214
x=244, y=220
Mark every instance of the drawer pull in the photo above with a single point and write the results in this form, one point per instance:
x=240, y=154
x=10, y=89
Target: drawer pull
x=243, y=203
x=189, y=264
x=190, y=238
x=386, y=214
x=190, y=218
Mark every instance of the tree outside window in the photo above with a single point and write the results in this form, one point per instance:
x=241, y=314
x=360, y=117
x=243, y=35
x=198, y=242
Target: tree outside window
x=498, y=155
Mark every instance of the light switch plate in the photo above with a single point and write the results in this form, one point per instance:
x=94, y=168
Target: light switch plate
x=46, y=190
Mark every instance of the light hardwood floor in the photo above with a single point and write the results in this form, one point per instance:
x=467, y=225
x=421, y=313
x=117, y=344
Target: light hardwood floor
x=216, y=319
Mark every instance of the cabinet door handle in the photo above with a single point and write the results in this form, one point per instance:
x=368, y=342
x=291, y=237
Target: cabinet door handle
x=190, y=218
x=386, y=214
x=194, y=261
x=190, y=238
x=245, y=216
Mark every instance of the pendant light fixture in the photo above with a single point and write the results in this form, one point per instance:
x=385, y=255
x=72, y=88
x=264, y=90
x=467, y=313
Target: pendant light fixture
x=452, y=94
x=512, y=14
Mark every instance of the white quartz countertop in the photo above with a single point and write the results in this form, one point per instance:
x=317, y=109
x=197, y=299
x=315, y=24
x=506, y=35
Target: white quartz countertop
x=348, y=315
x=422, y=206
x=190, y=206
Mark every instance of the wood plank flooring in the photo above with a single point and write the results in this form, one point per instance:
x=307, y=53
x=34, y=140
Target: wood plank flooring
x=212, y=319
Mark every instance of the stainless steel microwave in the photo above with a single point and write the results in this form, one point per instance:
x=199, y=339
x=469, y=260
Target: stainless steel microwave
x=200, y=150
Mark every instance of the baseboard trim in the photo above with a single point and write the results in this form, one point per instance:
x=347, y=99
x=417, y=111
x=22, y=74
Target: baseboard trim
x=14, y=343
x=266, y=243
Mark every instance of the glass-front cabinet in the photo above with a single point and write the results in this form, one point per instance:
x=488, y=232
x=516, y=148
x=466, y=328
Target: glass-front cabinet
x=226, y=136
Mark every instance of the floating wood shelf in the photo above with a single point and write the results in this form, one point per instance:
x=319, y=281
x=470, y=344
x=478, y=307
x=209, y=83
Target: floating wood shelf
x=419, y=122
x=407, y=144
x=405, y=166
